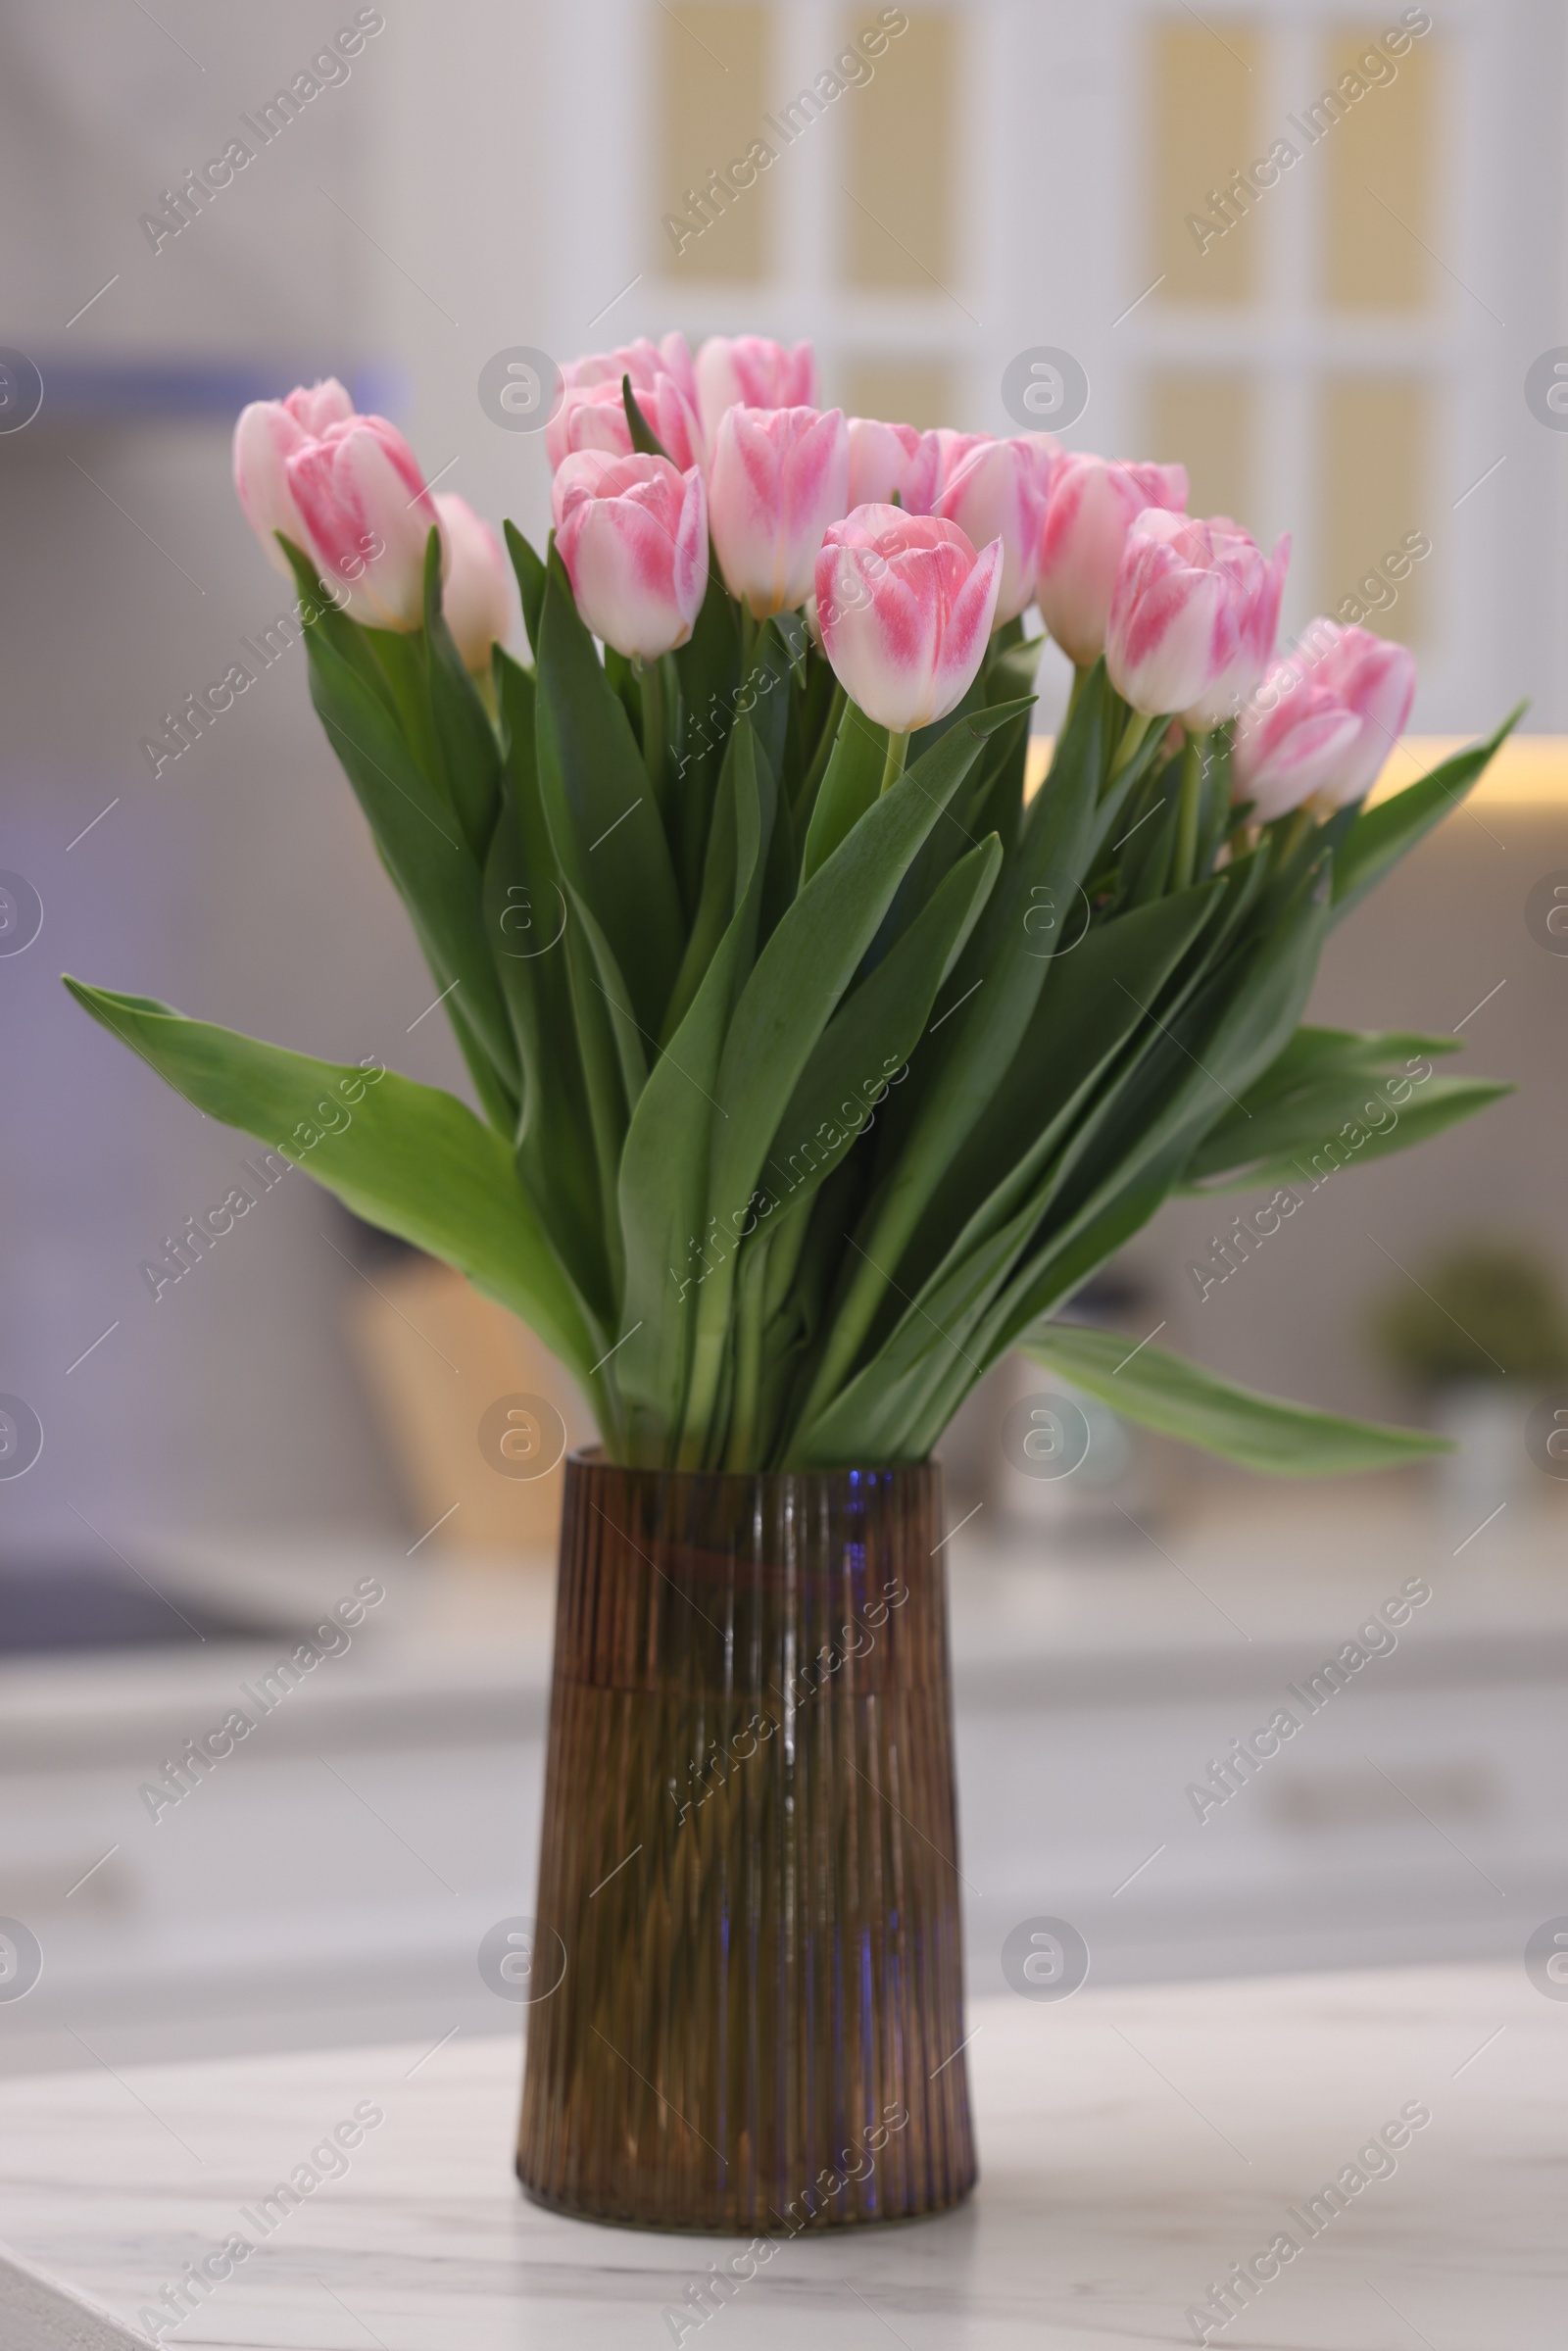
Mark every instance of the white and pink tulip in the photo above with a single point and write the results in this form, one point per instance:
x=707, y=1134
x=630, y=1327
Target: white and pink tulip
x=1193, y=616
x=477, y=593
x=1372, y=678
x=905, y=608
x=1092, y=505
x=268, y=434
x=778, y=478
x=1294, y=741
x=594, y=417
x=1257, y=585
x=751, y=372
x=369, y=517
x=992, y=490
x=632, y=532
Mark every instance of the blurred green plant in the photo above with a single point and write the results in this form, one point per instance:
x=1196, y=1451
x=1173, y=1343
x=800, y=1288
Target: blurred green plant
x=1485, y=1309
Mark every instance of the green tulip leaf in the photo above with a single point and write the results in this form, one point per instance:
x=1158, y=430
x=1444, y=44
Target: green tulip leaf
x=1381, y=836
x=405, y=1157
x=1181, y=1399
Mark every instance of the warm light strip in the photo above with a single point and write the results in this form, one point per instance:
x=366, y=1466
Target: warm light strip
x=1529, y=771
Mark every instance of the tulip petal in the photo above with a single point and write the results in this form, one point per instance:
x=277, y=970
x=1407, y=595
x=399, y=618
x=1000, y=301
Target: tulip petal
x=779, y=476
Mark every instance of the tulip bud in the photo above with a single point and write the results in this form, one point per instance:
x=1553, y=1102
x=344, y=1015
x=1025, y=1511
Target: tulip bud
x=1375, y=679
x=644, y=361
x=632, y=532
x=884, y=457
x=477, y=593
x=594, y=417
x=750, y=371
x=1091, y=508
x=992, y=490
x=1294, y=739
x=369, y=517
x=1191, y=607
x=1257, y=584
x=905, y=608
x=779, y=476
x=265, y=437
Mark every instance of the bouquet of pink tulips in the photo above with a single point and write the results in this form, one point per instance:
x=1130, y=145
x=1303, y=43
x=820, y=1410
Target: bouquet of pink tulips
x=819, y=1064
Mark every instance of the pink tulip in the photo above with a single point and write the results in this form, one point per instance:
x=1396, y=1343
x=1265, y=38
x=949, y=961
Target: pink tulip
x=992, y=490
x=1377, y=681
x=1092, y=506
x=1258, y=583
x=265, y=437
x=905, y=608
x=750, y=371
x=368, y=516
x=632, y=532
x=884, y=457
x=1188, y=614
x=476, y=594
x=594, y=417
x=1294, y=739
x=644, y=361
x=779, y=476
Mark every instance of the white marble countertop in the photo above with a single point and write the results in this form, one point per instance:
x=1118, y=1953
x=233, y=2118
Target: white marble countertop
x=1135, y=2144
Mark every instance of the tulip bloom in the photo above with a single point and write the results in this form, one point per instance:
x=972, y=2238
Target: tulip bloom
x=369, y=517
x=1294, y=740
x=884, y=457
x=992, y=490
x=632, y=532
x=750, y=371
x=1377, y=681
x=1259, y=584
x=779, y=476
x=476, y=594
x=268, y=434
x=1093, y=504
x=1190, y=609
x=594, y=417
x=644, y=361
x=905, y=608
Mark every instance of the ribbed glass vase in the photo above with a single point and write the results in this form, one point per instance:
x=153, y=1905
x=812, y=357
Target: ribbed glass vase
x=748, y=1994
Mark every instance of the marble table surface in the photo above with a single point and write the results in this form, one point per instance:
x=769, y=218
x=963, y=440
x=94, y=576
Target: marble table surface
x=1135, y=2145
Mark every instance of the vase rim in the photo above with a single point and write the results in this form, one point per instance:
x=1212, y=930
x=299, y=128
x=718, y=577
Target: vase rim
x=587, y=1459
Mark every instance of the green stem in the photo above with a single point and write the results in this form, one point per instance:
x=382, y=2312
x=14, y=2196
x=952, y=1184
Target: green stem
x=750, y=1300
x=606, y=1399
x=1289, y=838
x=893, y=767
x=484, y=685
x=1080, y=678
x=1132, y=735
x=656, y=736
x=1194, y=759
x=853, y=1318
x=713, y=1335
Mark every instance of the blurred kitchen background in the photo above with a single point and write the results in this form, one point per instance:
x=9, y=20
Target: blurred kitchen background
x=1365, y=359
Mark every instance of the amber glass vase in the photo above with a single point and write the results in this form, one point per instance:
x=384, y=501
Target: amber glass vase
x=747, y=1986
